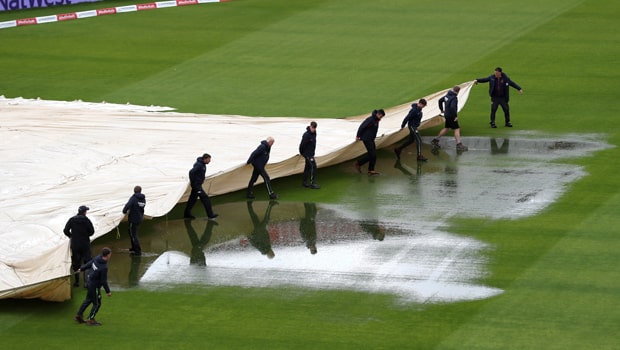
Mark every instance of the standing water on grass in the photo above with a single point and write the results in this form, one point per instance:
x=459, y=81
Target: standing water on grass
x=387, y=235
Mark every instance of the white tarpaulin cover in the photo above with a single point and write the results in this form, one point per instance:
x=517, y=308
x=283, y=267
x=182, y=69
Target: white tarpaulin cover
x=56, y=156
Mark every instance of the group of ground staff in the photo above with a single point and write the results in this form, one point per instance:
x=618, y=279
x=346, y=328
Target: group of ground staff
x=79, y=228
x=499, y=91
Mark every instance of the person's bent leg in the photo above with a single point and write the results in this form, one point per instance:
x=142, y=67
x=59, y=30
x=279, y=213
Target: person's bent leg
x=87, y=301
x=253, y=178
x=96, y=304
x=410, y=140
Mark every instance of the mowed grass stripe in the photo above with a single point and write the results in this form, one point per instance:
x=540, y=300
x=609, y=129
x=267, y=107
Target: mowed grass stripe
x=562, y=300
x=320, y=59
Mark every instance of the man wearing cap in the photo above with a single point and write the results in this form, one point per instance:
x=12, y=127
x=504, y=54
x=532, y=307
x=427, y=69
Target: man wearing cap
x=79, y=228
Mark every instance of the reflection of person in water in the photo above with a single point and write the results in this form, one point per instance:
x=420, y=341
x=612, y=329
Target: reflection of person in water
x=197, y=257
x=259, y=238
x=134, y=271
x=407, y=170
x=499, y=150
x=307, y=227
x=376, y=231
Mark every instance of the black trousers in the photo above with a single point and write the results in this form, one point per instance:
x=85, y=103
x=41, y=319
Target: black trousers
x=370, y=157
x=495, y=103
x=204, y=198
x=78, y=258
x=309, y=170
x=263, y=173
x=414, y=136
x=93, y=296
x=133, y=235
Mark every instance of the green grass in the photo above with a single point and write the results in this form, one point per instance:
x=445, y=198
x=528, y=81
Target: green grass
x=559, y=269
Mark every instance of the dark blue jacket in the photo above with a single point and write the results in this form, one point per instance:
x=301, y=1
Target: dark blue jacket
x=260, y=156
x=98, y=276
x=308, y=144
x=197, y=174
x=79, y=228
x=135, y=207
x=449, y=105
x=413, y=118
x=504, y=84
x=369, y=127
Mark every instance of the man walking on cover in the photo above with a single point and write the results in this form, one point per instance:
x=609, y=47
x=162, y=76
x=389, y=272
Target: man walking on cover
x=196, y=179
x=367, y=132
x=413, y=120
x=259, y=159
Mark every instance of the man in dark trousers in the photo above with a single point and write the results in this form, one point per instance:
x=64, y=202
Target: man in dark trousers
x=306, y=149
x=79, y=228
x=499, y=90
x=196, y=179
x=97, y=278
x=259, y=159
x=367, y=132
x=135, y=206
x=413, y=120
x=449, y=106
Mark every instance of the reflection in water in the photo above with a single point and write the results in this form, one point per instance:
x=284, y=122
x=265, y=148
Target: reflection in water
x=374, y=229
x=503, y=149
x=416, y=260
x=407, y=170
x=259, y=238
x=134, y=270
x=197, y=256
x=307, y=227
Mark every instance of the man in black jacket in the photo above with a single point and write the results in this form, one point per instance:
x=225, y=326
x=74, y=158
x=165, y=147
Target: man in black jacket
x=449, y=106
x=367, y=132
x=97, y=278
x=306, y=149
x=135, y=206
x=79, y=228
x=413, y=120
x=499, y=90
x=196, y=179
x=259, y=159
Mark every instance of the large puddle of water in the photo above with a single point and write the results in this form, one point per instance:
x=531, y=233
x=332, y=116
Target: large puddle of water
x=385, y=237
